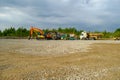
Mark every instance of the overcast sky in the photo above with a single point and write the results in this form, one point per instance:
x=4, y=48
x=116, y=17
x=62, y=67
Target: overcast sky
x=82, y=14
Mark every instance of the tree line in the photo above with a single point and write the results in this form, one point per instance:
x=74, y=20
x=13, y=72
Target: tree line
x=24, y=33
x=12, y=32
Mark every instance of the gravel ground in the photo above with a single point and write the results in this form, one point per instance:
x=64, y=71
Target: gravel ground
x=48, y=47
x=22, y=59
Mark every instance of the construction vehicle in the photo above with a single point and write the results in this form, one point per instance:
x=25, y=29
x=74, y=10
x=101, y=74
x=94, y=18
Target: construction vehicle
x=71, y=36
x=64, y=36
x=90, y=36
x=41, y=35
x=53, y=35
x=38, y=33
x=116, y=38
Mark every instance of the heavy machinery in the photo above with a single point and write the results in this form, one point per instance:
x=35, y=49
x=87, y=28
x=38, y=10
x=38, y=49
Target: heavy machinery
x=66, y=36
x=90, y=36
x=40, y=34
x=53, y=35
x=72, y=36
x=116, y=38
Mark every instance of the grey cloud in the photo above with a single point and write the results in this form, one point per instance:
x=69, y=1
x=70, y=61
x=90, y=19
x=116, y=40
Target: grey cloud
x=87, y=13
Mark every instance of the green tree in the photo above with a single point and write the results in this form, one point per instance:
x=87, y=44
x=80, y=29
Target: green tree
x=60, y=29
x=9, y=32
x=22, y=32
x=117, y=33
x=79, y=32
x=107, y=34
x=0, y=33
x=117, y=30
x=5, y=32
x=54, y=30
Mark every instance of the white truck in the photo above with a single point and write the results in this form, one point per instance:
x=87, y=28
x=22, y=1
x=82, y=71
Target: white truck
x=90, y=36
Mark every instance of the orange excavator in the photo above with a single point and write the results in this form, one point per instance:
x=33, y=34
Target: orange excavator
x=39, y=33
